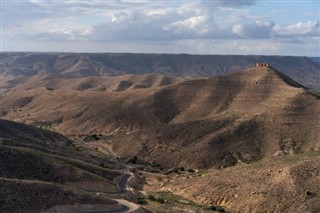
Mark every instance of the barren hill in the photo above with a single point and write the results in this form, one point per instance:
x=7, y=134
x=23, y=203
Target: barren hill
x=202, y=123
x=283, y=184
x=40, y=169
x=72, y=65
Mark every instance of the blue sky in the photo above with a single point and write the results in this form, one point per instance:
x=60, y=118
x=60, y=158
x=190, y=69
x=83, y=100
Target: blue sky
x=264, y=27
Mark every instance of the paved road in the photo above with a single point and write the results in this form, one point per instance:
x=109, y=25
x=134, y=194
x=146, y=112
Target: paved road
x=123, y=183
x=124, y=205
x=121, y=208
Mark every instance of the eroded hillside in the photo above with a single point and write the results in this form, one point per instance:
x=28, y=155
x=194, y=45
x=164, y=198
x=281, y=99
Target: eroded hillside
x=246, y=116
x=41, y=170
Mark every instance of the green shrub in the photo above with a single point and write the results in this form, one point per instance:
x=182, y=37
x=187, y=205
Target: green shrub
x=308, y=193
x=151, y=197
x=213, y=208
x=91, y=138
x=220, y=209
x=191, y=170
x=142, y=201
x=160, y=200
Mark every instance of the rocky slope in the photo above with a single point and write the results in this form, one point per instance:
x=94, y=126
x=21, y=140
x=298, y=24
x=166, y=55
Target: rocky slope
x=41, y=169
x=283, y=184
x=202, y=123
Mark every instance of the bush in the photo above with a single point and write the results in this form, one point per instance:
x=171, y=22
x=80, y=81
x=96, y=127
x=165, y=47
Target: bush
x=160, y=200
x=220, y=209
x=191, y=170
x=213, y=208
x=95, y=137
x=174, y=169
x=91, y=138
x=142, y=201
x=308, y=193
x=151, y=197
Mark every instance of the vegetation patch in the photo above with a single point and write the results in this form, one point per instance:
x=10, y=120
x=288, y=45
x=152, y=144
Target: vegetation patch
x=135, y=160
x=93, y=137
x=179, y=170
x=168, y=197
x=47, y=127
x=142, y=201
x=165, y=197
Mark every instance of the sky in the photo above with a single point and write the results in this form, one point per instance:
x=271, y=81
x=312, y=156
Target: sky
x=242, y=27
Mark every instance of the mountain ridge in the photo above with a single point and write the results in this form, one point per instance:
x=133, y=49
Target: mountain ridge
x=192, y=115
x=304, y=70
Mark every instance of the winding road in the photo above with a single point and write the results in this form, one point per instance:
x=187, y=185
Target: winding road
x=124, y=205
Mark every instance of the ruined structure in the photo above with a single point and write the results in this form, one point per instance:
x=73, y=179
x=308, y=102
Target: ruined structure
x=262, y=65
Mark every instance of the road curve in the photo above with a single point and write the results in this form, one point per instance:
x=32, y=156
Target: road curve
x=124, y=205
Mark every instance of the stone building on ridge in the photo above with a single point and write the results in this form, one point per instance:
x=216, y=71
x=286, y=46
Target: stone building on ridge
x=262, y=65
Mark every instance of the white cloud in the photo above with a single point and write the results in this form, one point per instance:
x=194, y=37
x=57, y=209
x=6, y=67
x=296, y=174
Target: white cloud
x=195, y=25
x=256, y=29
x=310, y=28
x=181, y=25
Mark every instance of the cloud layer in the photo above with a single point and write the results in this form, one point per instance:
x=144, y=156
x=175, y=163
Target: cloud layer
x=153, y=23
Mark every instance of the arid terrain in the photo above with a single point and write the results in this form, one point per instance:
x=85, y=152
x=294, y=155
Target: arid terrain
x=42, y=171
x=304, y=70
x=248, y=141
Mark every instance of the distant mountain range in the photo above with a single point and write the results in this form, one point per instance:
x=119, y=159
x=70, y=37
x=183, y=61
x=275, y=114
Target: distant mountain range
x=304, y=70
